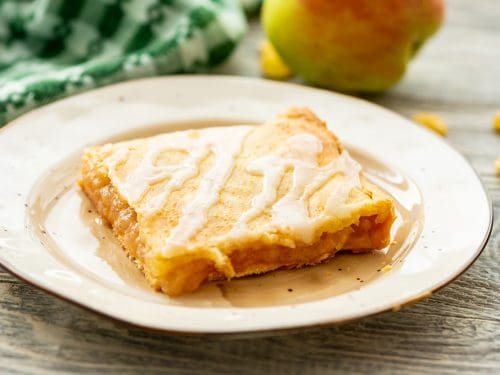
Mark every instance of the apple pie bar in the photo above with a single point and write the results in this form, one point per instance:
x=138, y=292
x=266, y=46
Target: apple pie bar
x=224, y=202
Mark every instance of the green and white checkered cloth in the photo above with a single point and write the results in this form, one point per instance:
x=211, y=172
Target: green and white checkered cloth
x=54, y=48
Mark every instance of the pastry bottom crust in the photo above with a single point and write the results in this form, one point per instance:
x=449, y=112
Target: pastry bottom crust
x=184, y=274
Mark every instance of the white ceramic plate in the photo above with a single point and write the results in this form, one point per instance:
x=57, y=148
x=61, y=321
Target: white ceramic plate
x=50, y=236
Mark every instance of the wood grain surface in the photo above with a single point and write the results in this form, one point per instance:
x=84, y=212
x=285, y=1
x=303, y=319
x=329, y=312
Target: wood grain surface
x=456, y=76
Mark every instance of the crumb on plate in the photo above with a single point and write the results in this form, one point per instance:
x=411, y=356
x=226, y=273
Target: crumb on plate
x=387, y=268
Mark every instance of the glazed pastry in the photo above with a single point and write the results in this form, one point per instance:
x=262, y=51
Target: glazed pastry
x=225, y=202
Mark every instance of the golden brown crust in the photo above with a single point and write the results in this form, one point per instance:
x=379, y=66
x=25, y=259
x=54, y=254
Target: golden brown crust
x=185, y=273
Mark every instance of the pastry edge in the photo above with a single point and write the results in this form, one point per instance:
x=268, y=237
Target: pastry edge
x=185, y=273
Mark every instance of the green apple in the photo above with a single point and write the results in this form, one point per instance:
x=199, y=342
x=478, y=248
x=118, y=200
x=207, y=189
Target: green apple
x=350, y=45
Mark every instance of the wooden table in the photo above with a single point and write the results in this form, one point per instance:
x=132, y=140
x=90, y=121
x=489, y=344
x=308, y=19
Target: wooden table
x=457, y=76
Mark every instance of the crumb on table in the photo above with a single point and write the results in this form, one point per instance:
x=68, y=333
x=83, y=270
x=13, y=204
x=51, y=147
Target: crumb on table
x=271, y=64
x=432, y=122
x=496, y=122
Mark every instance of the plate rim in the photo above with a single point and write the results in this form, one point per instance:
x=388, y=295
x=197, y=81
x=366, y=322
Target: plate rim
x=251, y=331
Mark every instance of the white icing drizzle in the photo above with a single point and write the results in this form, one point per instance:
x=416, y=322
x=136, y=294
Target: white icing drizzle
x=223, y=143
x=194, y=214
x=290, y=212
x=178, y=175
x=147, y=172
